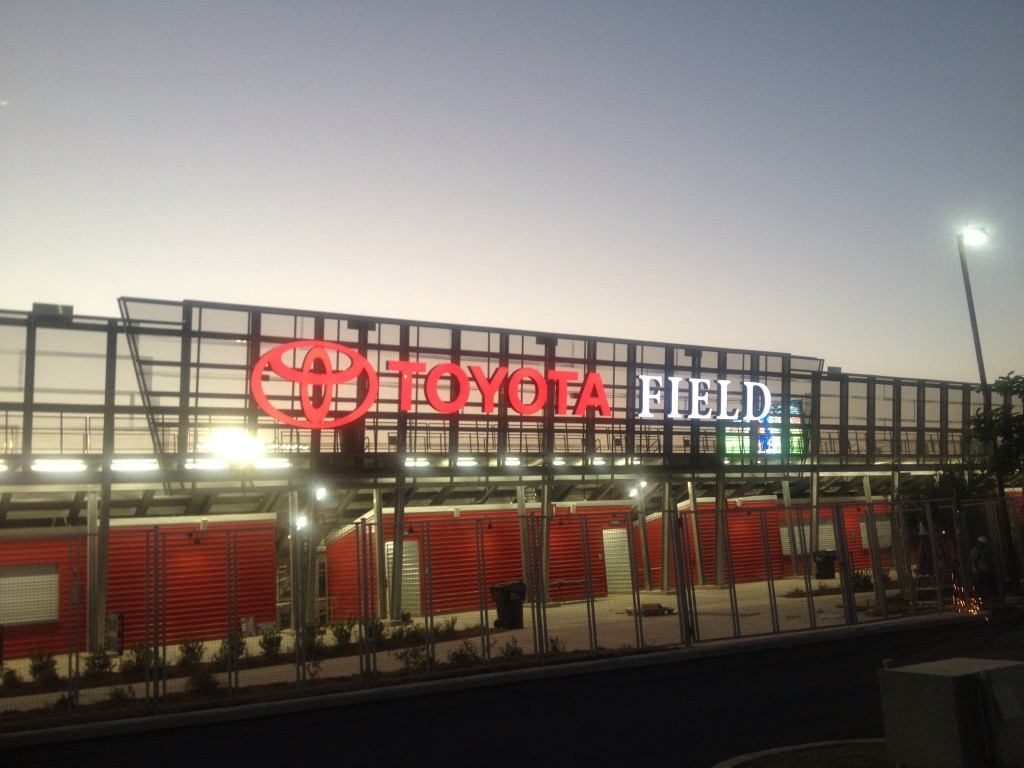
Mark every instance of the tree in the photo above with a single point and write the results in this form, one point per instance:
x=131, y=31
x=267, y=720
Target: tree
x=1002, y=428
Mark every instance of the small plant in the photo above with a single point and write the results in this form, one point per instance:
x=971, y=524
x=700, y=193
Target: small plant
x=43, y=668
x=555, y=645
x=407, y=634
x=373, y=630
x=465, y=655
x=11, y=679
x=862, y=581
x=190, y=654
x=511, y=651
x=342, y=632
x=139, y=660
x=310, y=641
x=414, y=657
x=202, y=682
x=67, y=700
x=98, y=663
x=117, y=693
x=270, y=644
x=232, y=650
x=447, y=627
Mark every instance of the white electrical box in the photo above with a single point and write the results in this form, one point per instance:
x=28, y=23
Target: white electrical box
x=955, y=713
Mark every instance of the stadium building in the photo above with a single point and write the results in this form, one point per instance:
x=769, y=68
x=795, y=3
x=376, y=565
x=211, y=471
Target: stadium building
x=191, y=469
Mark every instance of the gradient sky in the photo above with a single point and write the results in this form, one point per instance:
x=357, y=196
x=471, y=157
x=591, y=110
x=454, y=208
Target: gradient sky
x=786, y=176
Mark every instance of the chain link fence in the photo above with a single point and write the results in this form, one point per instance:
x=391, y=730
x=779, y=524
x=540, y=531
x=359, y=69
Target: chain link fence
x=190, y=615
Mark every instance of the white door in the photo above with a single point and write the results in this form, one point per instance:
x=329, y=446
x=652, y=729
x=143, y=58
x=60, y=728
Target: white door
x=410, y=574
x=616, y=561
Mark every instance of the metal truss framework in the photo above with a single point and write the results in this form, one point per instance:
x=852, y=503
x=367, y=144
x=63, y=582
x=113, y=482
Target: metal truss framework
x=152, y=387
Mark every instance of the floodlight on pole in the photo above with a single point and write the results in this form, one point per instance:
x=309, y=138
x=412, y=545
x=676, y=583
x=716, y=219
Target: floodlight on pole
x=973, y=237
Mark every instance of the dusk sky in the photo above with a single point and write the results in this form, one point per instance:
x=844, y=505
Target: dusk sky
x=785, y=176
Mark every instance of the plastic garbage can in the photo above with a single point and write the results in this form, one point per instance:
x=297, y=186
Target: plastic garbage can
x=508, y=599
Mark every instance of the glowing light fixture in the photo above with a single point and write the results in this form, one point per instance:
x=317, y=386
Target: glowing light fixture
x=58, y=465
x=512, y=461
x=558, y=462
x=974, y=236
x=235, y=445
x=465, y=461
x=413, y=461
x=301, y=522
x=134, y=465
x=321, y=493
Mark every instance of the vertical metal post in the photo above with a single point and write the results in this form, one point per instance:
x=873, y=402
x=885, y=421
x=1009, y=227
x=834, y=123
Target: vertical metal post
x=676, y=547
x=787, y=502
x=634, y=586
x=588, y=580
x=698, y=547
x=481, y=586
x=770, y=576
x=666, y=536
x=378, y=539
x=524, y=542
x=645, y=554
x=876, y=555
x=398, y=547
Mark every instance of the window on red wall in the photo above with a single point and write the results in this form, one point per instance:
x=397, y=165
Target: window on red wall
x=29, y=593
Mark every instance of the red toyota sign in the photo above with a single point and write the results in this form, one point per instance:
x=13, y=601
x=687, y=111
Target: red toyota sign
x=526, y=390
x=318, y=382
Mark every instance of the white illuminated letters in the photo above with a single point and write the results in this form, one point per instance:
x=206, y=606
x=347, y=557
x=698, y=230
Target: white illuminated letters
x=756, y=399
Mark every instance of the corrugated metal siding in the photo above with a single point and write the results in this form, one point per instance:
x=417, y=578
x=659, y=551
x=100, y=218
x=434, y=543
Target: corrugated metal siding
x=746, y=536
x=68, y=554
x=453, y=579
x=343, y=567
x=195, y=588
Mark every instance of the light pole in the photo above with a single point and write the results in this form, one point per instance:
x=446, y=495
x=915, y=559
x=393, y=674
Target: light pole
x=974, y=236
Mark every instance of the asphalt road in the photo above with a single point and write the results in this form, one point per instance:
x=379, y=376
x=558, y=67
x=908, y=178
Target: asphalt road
x=690, y=708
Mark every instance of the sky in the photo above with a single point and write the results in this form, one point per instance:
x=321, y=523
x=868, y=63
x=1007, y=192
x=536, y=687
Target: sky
x=780, y=176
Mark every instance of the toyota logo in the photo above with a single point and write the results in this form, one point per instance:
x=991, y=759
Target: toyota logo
x=318, y=380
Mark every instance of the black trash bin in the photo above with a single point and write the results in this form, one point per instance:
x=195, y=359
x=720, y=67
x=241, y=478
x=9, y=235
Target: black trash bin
x=508, y=598
x=824, y=565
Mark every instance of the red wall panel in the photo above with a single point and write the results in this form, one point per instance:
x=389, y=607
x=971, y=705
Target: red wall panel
x=69, y=554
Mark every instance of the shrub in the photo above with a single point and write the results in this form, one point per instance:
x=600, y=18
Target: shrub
x=511, y=651
x=190, y=654
x=139, y=659
x=201, y=682
x=407, y=634
x=43, y=668
x=342, y=632
x=117, y=693
x=414, y=657
x=447, y=627
x=98, y=663
x=232, y=650
x=465, y=655
x=555, y=645
x=373, y=631
x=310, y=640
x=11, y=679
x=270, y=644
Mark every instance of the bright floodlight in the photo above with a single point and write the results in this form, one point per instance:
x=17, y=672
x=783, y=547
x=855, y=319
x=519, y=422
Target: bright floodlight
x=974, y=236
x=236, y=445
x=321, y=492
